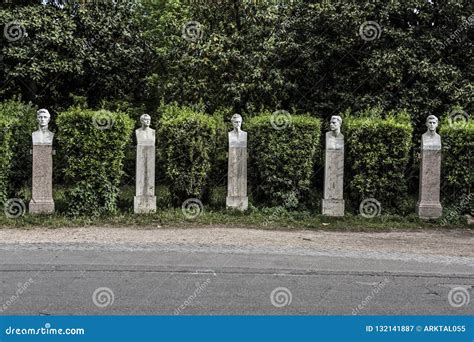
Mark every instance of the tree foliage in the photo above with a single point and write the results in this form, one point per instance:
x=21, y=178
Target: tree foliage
x=94, y=49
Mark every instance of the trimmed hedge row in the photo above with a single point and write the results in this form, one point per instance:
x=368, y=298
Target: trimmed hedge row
x=93, y=144
x=282, y=158
x=377, y=154
x=190, y=144
x=458, y=158
x=187, y=141
x=5, y=156
x=17, y=121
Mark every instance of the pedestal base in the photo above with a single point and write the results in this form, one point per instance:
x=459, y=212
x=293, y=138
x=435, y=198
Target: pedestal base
x=428, y=211
x=237, y=202
x=41, y=207
x=144, y=204
x=333, y=207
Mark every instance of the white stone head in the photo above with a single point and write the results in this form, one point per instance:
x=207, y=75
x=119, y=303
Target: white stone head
x=335, y=124
x=145, y=119
x=43, y=117
x=236, y=121
x=432, y=123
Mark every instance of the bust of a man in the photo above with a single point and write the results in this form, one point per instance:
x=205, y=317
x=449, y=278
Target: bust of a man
x=431, y=140
x=43, y=136
x=334, y=138
x=237, y=137
x=145, y=135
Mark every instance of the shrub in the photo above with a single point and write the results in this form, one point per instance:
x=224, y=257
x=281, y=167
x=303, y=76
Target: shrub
x=163, y=197
x=22, y=122
x=217, y=197
x=457, y=139
x=5, y=156
x=93, y=144
x=377, y=153
x=218, y=176
x=187, y=145
x=282, y=160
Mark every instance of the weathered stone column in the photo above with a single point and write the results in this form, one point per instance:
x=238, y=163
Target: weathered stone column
x=237, y=167
x=333, y=202
x=145, y=199
x=42, y=178
x=428, y=205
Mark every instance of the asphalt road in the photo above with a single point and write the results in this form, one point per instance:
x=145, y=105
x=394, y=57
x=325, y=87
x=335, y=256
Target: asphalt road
x=82, y=279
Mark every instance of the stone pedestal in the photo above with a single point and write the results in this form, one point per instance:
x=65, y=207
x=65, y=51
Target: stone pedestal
x=237, y=171
x=145, y=199
x=428, y=205
x=42, y=180
x=333, y=202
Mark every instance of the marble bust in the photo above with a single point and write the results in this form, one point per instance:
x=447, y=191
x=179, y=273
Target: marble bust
x=145, y=200
x=334, y=138
x=237, y=167
x=145, y=135
x=237, y=137
x=429, y=205
x=431, y=140
x=43, y=136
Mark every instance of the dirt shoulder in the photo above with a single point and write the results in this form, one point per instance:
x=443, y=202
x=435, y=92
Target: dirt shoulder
x=457, y=242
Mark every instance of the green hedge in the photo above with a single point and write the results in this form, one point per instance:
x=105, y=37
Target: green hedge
x=93, y=145
x=282, y=160
x=457, y=138
x=377, y=153
x=5, y=156
x=20, y=118
x=187, y=141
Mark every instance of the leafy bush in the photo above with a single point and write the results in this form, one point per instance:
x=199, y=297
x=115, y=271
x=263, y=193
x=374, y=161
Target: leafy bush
x=5, y=156
x=93, y=144
x=18, y=122
x=218, y=176
x=282, y=160
x=217, y=197
x=187, y=145
x=457, y=138
x=377, y=153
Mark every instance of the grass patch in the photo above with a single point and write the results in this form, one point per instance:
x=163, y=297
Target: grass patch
x=264, y=218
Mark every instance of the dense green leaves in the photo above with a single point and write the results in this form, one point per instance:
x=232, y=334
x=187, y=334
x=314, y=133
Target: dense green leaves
x=187, y=141
x=307, y=55
x=311, y=56
x=457, y=134
x=95, y=50
x=18, y=122
x=283, y=153
x=93, y=145
x=377, y=154
x=5, y=157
